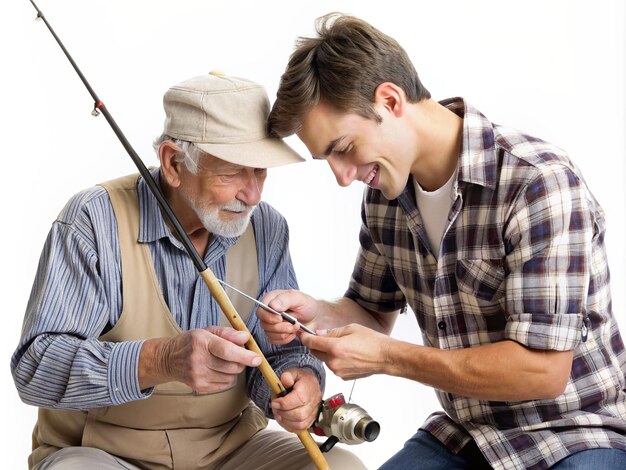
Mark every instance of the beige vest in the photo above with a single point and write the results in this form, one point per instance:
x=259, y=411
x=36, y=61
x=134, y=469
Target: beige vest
x=175, y=428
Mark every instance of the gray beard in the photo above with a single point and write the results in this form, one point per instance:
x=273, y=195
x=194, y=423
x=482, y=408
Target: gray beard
x=210, y=218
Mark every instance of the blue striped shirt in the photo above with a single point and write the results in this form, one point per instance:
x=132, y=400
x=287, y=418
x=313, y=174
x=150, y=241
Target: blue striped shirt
x=76, y=297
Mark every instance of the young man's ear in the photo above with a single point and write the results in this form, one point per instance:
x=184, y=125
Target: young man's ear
x=390, y=97
x=170, y=168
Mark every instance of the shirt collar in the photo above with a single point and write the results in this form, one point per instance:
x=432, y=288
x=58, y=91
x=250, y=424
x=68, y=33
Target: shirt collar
x=152, y=225
x=477, y=163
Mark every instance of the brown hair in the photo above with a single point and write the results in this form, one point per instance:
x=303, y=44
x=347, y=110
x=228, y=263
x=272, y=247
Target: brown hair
x=342, y=66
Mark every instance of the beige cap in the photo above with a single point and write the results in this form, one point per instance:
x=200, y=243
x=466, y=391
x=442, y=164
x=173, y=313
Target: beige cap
x=227, y=118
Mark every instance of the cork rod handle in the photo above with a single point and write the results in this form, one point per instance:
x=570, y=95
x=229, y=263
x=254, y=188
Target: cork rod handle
x=270, y=376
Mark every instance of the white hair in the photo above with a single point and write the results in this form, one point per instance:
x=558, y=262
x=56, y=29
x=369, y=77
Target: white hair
x=187, y=151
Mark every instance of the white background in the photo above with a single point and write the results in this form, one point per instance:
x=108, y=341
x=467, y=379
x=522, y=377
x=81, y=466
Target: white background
x=552, y=68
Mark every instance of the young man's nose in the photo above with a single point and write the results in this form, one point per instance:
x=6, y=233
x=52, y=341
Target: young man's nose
x=345, y=173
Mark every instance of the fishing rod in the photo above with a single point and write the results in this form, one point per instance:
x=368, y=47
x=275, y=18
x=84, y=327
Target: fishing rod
x=210, y=280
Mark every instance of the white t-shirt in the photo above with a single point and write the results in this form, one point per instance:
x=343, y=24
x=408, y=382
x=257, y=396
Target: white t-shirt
x=434, y=207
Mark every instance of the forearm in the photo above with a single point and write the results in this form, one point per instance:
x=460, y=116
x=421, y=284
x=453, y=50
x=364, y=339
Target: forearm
x=61, y=371
x=152, y=370
x=503, y=371
x=345, y=311
x=60, y=363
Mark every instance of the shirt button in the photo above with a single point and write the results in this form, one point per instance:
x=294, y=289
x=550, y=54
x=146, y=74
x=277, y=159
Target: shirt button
x=441, y=325
x=584, y=330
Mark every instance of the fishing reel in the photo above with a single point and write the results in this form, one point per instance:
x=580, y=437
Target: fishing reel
x=343, y=422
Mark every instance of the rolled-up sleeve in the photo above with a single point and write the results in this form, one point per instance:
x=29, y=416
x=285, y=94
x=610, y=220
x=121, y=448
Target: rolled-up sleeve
x=549, y=251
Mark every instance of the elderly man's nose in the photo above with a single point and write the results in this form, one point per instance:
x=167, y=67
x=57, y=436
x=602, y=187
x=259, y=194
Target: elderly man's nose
x=250, y=193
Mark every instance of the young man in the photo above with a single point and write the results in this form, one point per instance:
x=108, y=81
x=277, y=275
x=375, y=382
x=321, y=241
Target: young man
x=489, y=235
x=125, y=352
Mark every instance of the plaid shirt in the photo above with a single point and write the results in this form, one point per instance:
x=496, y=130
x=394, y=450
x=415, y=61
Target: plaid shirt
x=522, y=259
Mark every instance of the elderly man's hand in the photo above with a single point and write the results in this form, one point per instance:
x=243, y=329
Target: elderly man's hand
x=207, y=360
x=298, y=409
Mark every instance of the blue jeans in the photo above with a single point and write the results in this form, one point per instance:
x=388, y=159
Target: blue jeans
x=423, y=451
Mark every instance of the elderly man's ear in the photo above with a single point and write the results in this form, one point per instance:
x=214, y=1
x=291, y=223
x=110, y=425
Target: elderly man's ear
x=170, y=169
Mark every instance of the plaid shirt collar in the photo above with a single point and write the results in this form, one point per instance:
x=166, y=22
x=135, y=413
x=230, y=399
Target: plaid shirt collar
x=477, y=162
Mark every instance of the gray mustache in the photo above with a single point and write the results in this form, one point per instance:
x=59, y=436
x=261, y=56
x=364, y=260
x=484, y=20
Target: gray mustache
x=237, y=206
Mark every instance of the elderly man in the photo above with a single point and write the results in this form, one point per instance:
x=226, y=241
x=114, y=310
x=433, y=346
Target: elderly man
x=125, y=352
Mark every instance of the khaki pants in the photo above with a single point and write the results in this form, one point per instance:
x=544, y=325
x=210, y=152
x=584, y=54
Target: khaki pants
x=266, y=450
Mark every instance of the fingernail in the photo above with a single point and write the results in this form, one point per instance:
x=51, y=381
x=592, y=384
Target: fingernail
x=256, y=361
